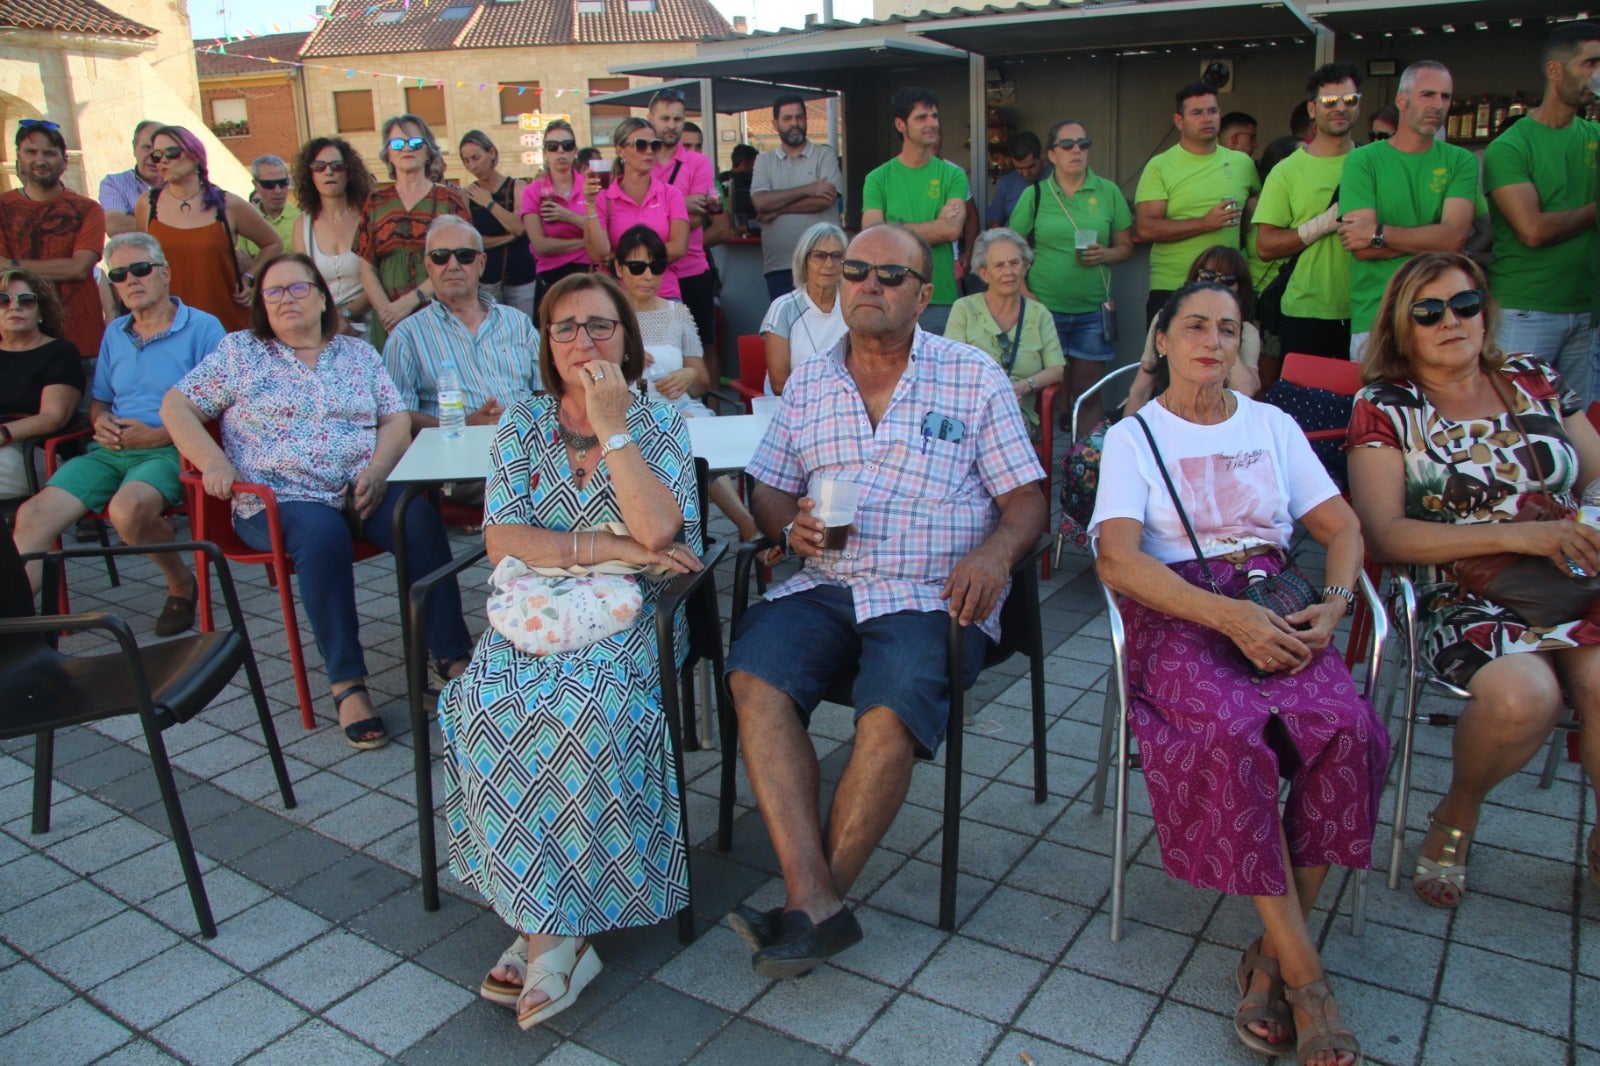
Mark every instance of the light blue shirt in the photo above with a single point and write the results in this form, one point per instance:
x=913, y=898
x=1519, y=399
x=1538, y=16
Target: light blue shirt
x=134, y=374
x=1008, y=189
x=500, y=360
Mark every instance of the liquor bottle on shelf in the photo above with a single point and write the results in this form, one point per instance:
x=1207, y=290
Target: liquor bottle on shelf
x=1481, y=126
x=1519, y=104
x=1502, y=111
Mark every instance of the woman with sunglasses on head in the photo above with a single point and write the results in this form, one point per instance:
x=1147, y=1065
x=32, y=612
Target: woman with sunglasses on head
x=41, y=376
x=1071, y=274
x=1226, y=267
x=331, y=185
x=394, y=224
x=312, y=414
x=496, y=204
x=809, y=320
x=636, y=197
x=198, y=225
x=1448, y=441
x=552, y=211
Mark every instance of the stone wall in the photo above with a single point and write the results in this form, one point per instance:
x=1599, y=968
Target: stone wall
x=272, y=115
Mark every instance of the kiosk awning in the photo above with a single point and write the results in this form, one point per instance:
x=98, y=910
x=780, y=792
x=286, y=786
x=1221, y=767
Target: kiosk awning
x=1376, y=16
x=1098, y=27
x=813, y=58
x=731, y=96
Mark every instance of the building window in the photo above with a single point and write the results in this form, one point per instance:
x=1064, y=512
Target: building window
x=230, y=118
x=427, y=103
x=599, y=86
x=353, y=112
x=513, y=103
x=591, y=7
x=455, y=13
x=642, y=7
x=386, y=18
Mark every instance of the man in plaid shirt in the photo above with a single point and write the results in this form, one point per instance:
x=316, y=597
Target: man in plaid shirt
x=930, y=430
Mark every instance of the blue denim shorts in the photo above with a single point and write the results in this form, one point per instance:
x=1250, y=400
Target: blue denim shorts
x=798, y=643
x=1082, y=337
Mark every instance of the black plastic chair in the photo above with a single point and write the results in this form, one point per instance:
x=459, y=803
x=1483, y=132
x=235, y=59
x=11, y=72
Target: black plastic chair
x=164, y=683
x=1020, y=631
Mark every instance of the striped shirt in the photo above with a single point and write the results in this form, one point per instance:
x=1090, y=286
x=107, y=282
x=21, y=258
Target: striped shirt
x=123, y=190
x=950, y=442
x=500, y=360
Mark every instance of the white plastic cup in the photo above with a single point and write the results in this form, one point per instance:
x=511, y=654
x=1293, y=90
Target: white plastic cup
x=836, y=502
x=1084, y=238
x=765, y=407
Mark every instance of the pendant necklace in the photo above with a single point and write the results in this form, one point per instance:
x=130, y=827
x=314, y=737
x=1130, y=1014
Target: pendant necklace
x=183, y=205
x=579, y=443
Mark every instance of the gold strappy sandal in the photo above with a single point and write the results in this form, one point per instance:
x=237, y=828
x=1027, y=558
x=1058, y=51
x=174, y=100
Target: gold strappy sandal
x=1324, y=1029
x=1449, y=869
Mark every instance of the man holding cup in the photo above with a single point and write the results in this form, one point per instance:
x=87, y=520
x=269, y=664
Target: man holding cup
x=902, y=518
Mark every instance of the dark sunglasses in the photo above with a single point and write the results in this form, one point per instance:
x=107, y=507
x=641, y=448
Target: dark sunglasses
x=1381, y=135
x=330, y=165
x=640, y=145
x=24, y=299
x=165, y=153
x=139, y=270
x=1067, y=144
x=1468, y=303
x=400, y=144
x=890, y=275
x=273, y=183
x=38, y=124
x=1348, y=100
x=674, y=96
x=464, y=256
x=1212, y=275
x=639, y=266
x=561, y=146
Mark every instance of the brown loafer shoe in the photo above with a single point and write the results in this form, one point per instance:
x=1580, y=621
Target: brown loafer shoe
x=177, y=616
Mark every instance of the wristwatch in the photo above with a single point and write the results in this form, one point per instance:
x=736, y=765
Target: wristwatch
x=615, y=442
x=1340, y=590
x=788, y=531
x=1377, y=240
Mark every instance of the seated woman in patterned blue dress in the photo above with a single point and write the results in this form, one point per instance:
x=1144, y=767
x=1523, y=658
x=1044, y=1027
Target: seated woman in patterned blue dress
x=560, y=795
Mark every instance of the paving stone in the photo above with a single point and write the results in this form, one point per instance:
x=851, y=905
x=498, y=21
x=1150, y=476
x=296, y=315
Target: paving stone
x=228, y=893
x=365, y=818
x=977, y=979
x=231, y=1025
x=71, y=1034
x=1586, y=1012
x=64, y=911
x=267, y=931
x=914, y=1029
x=718, y=883
x=570, y=1054
x=70, y=813
x=1389, y=1025
x=1455, y=1036
x=1010, y=1050
x=643, y=950
x=653, y=1024
x=317, y=1042
x=604, y=991
x=329, y=968
x=1505, y=988
x=109, y=948
x=828, y=1007
x=138, y=1052
x=349, y=887
x=483, y=1033
x=111, y=763
x=1088, y=1013
x=399, y=1008
x=106, y=845
x=744, y=1042
x=30, y=877
x=1146, y=957
x=1179, y=1034
x=894, y=947
x=225, y=752
x=1063, y=873
x=1515, y=929
x=239, y=833
x=27, y=992
x=1207, y=980
x=986, y=851
x=1026, y=923
x=154, y=991
x=914, y=892
x=715, y=968
x=290, y=859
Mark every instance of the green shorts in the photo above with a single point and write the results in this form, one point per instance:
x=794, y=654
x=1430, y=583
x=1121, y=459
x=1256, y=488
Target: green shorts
x=94, y=477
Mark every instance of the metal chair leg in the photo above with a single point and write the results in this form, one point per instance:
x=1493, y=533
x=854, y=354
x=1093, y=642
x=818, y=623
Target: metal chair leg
x=44, y=748
x=1552, y=761
x=180, y=832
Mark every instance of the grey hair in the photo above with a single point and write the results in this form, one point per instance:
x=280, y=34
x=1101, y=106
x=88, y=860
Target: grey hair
x=1408, y=77
x=269, y=161
x=980, y=247
x=148, y=244
x=452, y=220
x=389, y=125
x=807, y=244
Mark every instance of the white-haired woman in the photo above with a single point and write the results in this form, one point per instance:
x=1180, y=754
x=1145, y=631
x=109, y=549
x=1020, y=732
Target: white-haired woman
x=808, y=320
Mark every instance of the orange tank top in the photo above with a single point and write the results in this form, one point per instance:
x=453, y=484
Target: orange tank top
x=204, y=272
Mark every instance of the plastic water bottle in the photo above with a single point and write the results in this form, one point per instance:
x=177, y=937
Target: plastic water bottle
x=1589, y=512
x=452, y=410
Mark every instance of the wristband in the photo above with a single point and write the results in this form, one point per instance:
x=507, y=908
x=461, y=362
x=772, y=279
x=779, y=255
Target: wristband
x=1339, y=590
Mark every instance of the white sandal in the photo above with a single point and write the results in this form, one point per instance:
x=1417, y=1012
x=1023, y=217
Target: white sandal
x=515, y=959
x=560, y=973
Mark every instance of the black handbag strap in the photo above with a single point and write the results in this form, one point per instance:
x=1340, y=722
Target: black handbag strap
x=1183, y=515
x=1008, y=356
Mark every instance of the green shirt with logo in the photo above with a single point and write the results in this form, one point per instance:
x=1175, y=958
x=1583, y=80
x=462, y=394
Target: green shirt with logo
x=1560, y=165
x=918, y=194
x=1406, y=189
x=1063, y=284
x=1192, y=185
x=1298, y=190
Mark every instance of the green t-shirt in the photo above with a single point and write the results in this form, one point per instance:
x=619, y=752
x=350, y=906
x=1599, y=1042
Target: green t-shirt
x=1298, y=190
x=1063, y=284
x=1192, y=185
x=906, y=194
x=1406, y=189
x=1560, y=164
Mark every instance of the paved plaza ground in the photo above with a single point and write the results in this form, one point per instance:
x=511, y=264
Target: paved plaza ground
x=325, y=956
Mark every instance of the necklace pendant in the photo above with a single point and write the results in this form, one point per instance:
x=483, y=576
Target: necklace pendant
x=183, y=205
x=583, y=455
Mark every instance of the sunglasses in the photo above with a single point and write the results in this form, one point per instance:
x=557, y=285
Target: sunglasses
x=38, y=124
x=890, y=275
x=165, y=153
x=273, y=183
x=332, y=166
x=639, y=266
x=1381, y=135
x=295, y=290
x=640, y=145
x=1067, y=144
x=464, y=256
x=826, y=257
x=598, y=329
x=1348, y=100
x=1468, y=303
x=674, y=96
x=400, y=144
x=561, y=146
x=23, y=299
x=1212, y=275
x=140, y=269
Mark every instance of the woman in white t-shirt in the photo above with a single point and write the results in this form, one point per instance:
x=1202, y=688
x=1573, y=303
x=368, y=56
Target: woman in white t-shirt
x=1224, y=695
x=808, y=320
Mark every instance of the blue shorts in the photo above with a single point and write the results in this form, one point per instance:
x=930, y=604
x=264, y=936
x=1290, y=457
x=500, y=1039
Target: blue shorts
x=1082, y=337
x=799, y=643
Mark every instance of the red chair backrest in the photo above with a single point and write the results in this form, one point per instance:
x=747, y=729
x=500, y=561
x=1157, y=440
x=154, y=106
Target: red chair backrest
x=1594, y=420
x=1317, y=372
x=753, y=361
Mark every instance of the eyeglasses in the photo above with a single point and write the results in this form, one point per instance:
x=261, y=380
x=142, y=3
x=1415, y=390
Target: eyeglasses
x=273, y=183
x=598, y=329
x=1348, y=99
x=464, y=256
x=140, y=269
x=332, y=166
x=159, y=154
x=639, y=266
x=23, y=299
x=1067, y=144
x=1381, y=135
x=826, y=257
x=561, y=146
x=890, y=275
x=1468, y=303
x=38, y=124
x=1212, y=275
x=640, y=144
x=295, y=290
x=400, y=144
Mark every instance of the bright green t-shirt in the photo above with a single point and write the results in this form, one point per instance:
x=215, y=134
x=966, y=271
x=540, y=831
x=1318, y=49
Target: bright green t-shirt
x=1192, y=185
x=1560, y=164
x=1063, y=284
x=1298, y=190
x=1406, y=189
x=906, y=194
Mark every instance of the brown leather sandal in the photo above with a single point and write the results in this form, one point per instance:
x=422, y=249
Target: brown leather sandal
x=1324, y=1030
x=1270, y=1009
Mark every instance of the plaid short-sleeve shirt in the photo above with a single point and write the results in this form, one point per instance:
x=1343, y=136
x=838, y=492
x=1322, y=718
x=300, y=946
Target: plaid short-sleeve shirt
x=949, y=443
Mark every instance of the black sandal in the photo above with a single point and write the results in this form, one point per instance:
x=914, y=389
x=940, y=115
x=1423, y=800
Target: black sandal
x=355, y=732
x=441, y=668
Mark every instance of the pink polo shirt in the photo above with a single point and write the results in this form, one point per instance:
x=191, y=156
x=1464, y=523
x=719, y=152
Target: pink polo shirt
x=662, y=204
x=695, y=177
x=535, y=192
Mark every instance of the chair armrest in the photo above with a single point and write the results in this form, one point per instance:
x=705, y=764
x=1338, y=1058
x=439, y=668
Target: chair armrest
x=745, y=390
x=683, y=586
x=741, y=575
x=53, y=444
x=425, y=584
x=52, y=625
x=725, y=397
x=54, y=558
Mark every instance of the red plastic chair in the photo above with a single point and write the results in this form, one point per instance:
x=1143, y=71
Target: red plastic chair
x=1317, y=372
x=752, y=379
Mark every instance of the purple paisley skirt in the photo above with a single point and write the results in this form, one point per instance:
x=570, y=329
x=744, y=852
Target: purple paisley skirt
x=1215, y=738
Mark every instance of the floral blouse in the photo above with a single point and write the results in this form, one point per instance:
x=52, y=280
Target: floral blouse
x=302, y=432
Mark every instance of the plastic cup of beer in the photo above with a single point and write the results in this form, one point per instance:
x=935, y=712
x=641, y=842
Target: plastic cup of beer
x=835, y=503
x=1083, y=240
x=601, y=168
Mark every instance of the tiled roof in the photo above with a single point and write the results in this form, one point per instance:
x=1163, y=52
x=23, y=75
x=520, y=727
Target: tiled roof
x=73, y=16
x=210, y=63
x=353, y=28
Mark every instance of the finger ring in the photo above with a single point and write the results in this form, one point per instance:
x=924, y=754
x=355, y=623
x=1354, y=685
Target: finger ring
x=670, y=553
x=599, y=375
x=1270, y=660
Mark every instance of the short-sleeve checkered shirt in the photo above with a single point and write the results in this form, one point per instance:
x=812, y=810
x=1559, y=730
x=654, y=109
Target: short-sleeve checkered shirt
x=950, y=442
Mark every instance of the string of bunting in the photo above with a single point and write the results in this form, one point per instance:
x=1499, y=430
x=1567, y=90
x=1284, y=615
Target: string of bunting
x=399, y=79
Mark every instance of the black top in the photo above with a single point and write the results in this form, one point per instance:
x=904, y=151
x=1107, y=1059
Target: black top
x=23, y=376
x=511, y=263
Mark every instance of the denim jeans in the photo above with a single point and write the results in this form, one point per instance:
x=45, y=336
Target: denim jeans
x=779, y=283
x=318, y=542
x=1565, y=341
